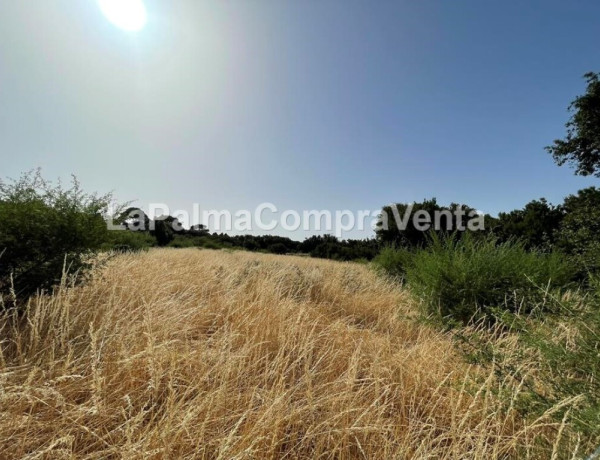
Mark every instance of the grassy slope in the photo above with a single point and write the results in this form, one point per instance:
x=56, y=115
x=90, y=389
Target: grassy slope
x=207, y=354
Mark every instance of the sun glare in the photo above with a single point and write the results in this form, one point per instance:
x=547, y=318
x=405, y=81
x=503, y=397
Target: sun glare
x=126, y=14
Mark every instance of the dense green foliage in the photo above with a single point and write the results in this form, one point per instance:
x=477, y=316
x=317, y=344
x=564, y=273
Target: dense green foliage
x=581, y=146
x=535, y=225
x=44, y=229
x=579, y=230
x=163, y=232
x=128, y=241
x=394, y=261
x=460, y=279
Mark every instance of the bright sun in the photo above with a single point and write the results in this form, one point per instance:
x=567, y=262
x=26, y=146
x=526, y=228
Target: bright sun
x=125, y=14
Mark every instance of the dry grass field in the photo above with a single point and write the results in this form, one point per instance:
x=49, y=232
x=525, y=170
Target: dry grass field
x=215, y=355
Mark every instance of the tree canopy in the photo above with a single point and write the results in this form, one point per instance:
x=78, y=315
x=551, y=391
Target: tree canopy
x=535, y=225
x=388, y=231
x=581, y=146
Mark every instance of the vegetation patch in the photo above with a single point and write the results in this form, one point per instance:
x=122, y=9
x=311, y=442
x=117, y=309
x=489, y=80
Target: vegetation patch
x=468, y=278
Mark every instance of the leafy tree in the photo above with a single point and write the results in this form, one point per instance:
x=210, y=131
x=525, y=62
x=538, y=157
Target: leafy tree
x=197, y=230
x=163, y=230
x=411, y=235
x=134, y=219
x=581, y=146
x=45, y=228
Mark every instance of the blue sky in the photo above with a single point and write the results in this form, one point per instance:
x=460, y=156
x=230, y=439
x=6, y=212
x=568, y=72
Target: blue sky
x=305, y=104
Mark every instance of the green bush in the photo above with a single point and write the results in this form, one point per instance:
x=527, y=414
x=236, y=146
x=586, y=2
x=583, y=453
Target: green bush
x=45, y=229
x=393, y=261
x=471, y=277
x=163, y=231
x=129, y=240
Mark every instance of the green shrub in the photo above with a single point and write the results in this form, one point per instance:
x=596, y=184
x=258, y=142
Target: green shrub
x=393, y=261
x=471, y=277
x=45, y=228
x=127, y=239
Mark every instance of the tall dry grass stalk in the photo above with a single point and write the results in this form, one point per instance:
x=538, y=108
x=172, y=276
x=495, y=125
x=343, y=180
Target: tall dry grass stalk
x=208, y=354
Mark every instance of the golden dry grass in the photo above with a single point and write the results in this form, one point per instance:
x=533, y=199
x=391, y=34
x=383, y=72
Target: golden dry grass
x=208, y=354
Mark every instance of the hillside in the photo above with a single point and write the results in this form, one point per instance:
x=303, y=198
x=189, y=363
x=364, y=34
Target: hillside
x=208, y=354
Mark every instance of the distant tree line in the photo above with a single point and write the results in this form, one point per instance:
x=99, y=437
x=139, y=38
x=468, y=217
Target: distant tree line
x=141, y=231
x=572, y=227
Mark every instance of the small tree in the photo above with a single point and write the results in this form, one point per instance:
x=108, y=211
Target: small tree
x=134, y=219
x=388, y=231
x=581, y=147
x=163, y=230
x=45, y=228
